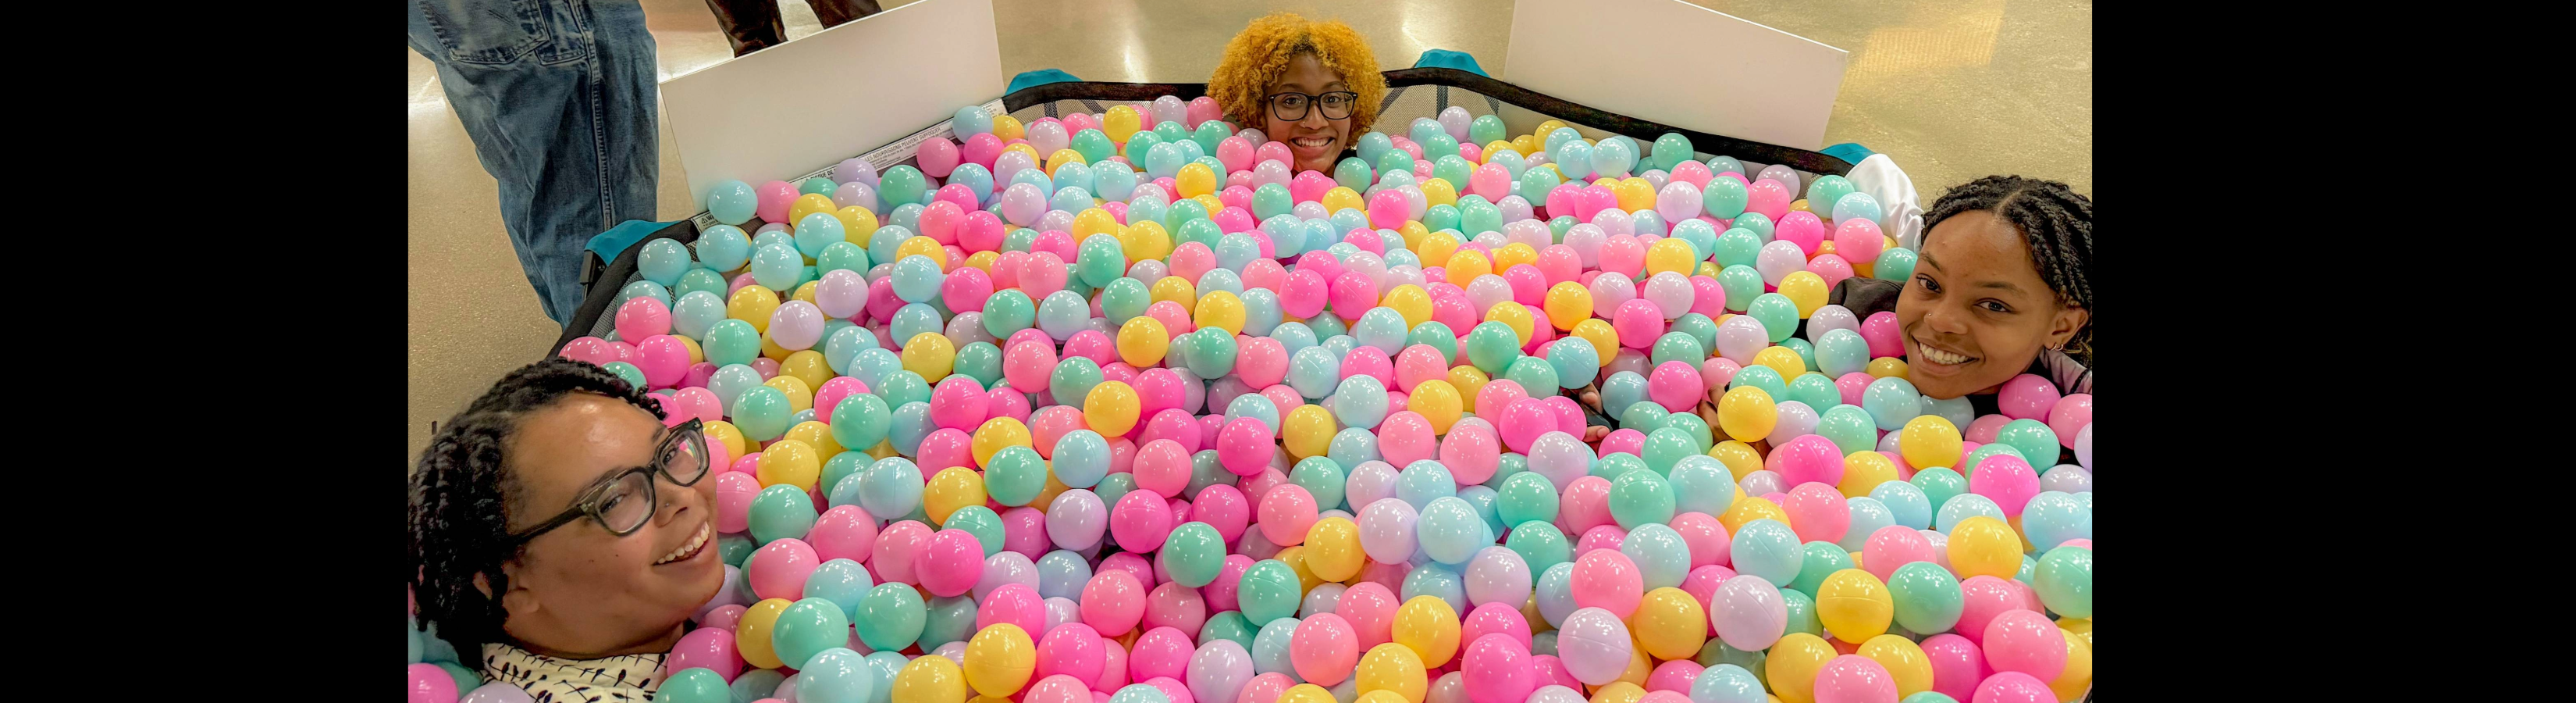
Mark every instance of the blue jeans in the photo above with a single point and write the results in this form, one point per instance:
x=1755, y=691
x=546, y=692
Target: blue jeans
x=559, y=97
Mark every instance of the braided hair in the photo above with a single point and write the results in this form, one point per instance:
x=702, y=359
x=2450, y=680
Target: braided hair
x=2055, y=222
x=459, y=527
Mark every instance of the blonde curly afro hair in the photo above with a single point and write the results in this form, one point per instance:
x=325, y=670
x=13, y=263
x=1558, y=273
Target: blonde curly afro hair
x=1260, y=55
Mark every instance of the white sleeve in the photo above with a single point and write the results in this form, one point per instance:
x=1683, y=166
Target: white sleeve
x=1881, y=179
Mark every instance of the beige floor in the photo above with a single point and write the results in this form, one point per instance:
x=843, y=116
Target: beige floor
x=1952, y=90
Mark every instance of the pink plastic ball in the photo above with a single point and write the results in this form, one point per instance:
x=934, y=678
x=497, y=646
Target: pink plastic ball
x=430, y=683
x=1852, y=678
x=2006, y=479
x=1323, y=649
x=1140, y=521
x=843, y=532
x=1369, y=608
x=1607, y=580
x=1114, y=601
x=1882, y=333
x=1073, y=649
x=1957, y=665
x=779, y=570
x=2069, y=416
x=1245, y=446
x=1705, y=536
x=1625, y=440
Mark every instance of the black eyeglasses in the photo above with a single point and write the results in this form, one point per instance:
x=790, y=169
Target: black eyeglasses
x=1293, y=106
x=624, y=501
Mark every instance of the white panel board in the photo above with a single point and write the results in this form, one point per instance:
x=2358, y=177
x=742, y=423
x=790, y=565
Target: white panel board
x=798, y=107
x=1745, y=80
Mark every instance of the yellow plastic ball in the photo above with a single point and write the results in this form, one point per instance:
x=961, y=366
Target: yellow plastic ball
x=1513, y=315
x=983, y=261
x=1142, y=341
x=1392, y=667
x=1343, y=197
x=1494, y=147
x=1514, y=254
x=1882, y=367
x=1409, y=301
x=1121, y=122
x=754, y=304
x=1412, y=230
x=1930, y=440
x=952, y=488
x=923, y=246
x=2078, y=675
x=1794, y=663
x=1006, y=127
x=790, y=462
x=755, y=628
x=1427, y=625
x=808, y=204
x=1438, y=402
x=931, y=679
x=1670, y=254
x=1438, y=191
x=806, y=365
x=997, y=433
x=1195, y=180
x=1805, y=288
x=1824, y=247
x=816, y=434
x=1093, y=221
x=1863, y=471
x=1146, y=240
x=2077, y=627
x=1221, y=310
x=1603, y=337
x=1333, y=549
x=1707, y=268
x=1670, y=624
x=1799, y=205
x=721, y=432
x=1026, y=150
x=929, y=354
x=1213, y=203
x=1854, y=605
x=1526, y=144
x=697, y=354
x=1111, y=408
x=1374, y=697
x=1308, y=693
x=1307, y=430
x=1435, y=249
x=1782, y=359
x=1468, y=264
x=805, y=291
x=1750, y=508
x=799, y=398
x=1061, y=157
x=1635, y=194
x=1739, y=458
x=856, y=224
x=1903, y=660
x=1617, y=692
x=1175, y=289
x=1747, y=413
x=770, y=350
x=1469, y=380
x=999, y=660
x=1984, y=546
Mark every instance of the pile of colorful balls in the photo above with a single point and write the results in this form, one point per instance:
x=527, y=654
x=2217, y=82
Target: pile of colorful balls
x=1078, y=411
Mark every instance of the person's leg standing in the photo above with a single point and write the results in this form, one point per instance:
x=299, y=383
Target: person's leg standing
x=751, y=25
x=558, y=98
x=834, y=12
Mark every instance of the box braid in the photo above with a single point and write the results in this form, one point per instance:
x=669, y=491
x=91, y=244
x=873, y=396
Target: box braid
x=2055, y=222
x=459, y=526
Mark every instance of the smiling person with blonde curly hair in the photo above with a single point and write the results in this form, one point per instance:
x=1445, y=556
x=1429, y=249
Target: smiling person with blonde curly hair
x=1312, y=85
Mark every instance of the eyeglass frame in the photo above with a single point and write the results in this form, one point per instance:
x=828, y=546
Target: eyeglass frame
x=587, y=504
x=1313, y=102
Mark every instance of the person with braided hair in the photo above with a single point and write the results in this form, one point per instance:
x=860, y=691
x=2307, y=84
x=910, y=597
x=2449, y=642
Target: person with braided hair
x=2001, y=287
x=565, y=533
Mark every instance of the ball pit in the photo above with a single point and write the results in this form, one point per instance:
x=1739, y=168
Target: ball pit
x=1117, y=409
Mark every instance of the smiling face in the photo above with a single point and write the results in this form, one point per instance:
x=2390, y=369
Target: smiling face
x=1976, y=312
x=1315, y=141
x=579, y=591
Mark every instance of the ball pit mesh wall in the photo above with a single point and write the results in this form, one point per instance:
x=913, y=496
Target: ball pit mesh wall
x=1411, y=93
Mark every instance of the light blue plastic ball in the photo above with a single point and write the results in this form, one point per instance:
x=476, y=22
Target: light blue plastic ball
x=1359, y=402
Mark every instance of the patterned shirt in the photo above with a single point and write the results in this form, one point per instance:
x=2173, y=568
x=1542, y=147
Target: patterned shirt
x=632, y=677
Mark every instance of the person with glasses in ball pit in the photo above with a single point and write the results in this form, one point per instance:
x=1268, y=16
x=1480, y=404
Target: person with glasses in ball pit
x=1311, y=85
x=564, y=533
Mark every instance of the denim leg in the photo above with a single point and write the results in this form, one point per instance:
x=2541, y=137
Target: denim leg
x=559, y=98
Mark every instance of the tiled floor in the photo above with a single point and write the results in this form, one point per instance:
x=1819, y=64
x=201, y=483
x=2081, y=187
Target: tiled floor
x=1952, y=90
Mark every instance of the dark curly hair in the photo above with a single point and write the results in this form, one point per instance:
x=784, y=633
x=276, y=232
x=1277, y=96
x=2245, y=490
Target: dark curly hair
x=459, y=527
x=2055, y=222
